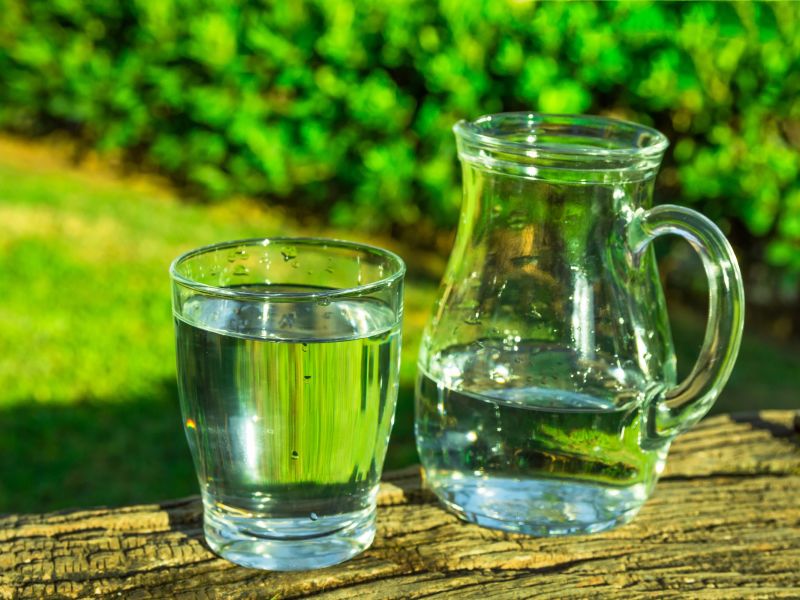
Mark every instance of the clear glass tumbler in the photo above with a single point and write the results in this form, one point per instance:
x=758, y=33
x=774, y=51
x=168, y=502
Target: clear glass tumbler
x=288, y=353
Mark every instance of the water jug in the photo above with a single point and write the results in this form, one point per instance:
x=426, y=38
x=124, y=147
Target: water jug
x=547, y=394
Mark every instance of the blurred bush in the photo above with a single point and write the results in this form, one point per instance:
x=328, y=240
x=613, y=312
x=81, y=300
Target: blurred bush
x=345, y=107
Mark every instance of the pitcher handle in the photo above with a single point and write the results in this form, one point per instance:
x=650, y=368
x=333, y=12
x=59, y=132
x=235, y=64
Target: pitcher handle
x=684, y=405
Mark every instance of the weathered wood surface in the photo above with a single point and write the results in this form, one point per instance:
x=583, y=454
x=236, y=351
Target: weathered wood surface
x=724, y=523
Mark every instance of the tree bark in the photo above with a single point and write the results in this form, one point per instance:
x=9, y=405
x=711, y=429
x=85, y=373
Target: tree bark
x=724, y=522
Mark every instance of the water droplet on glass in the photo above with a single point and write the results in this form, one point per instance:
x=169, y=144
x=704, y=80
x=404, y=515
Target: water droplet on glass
x=313, y=516
x=295, y=455
x=238, y=254
x=324, y=301
x=241, y=270
x=288, y=253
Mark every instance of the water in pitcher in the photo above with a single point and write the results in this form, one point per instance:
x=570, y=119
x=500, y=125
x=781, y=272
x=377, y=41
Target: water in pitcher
x=534, y=440
x=288, y=409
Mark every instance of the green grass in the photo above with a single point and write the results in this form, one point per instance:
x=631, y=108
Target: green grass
x=88, y=404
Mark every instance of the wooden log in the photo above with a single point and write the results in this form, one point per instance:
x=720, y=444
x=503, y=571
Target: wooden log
x=724, y=522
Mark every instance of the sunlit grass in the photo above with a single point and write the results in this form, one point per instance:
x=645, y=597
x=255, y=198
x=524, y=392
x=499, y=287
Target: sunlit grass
x=87, y=394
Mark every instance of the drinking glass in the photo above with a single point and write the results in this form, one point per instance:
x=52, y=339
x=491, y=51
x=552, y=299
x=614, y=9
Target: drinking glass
x=547, y=395
x=288, y=353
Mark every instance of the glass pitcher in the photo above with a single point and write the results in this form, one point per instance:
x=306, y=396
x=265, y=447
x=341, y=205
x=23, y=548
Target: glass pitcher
x=547, y=395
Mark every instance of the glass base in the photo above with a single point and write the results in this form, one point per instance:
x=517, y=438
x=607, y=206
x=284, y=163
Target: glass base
x=539, y=507
x=288, y=544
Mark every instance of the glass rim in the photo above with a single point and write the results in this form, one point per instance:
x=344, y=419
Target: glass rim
x=475, y=132
x=393, y=259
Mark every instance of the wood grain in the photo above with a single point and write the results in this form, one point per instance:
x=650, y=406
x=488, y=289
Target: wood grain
x=724, y=522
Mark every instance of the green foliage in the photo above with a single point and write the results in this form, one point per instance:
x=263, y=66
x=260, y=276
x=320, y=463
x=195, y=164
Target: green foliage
x=344, y=108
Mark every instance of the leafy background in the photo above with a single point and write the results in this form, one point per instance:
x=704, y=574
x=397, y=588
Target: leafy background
x=334, y=117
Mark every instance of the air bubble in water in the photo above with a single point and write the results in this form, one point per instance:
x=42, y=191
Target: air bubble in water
x=313, y=516
x=295, y=455
x=288, y=253
x=241, y=270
